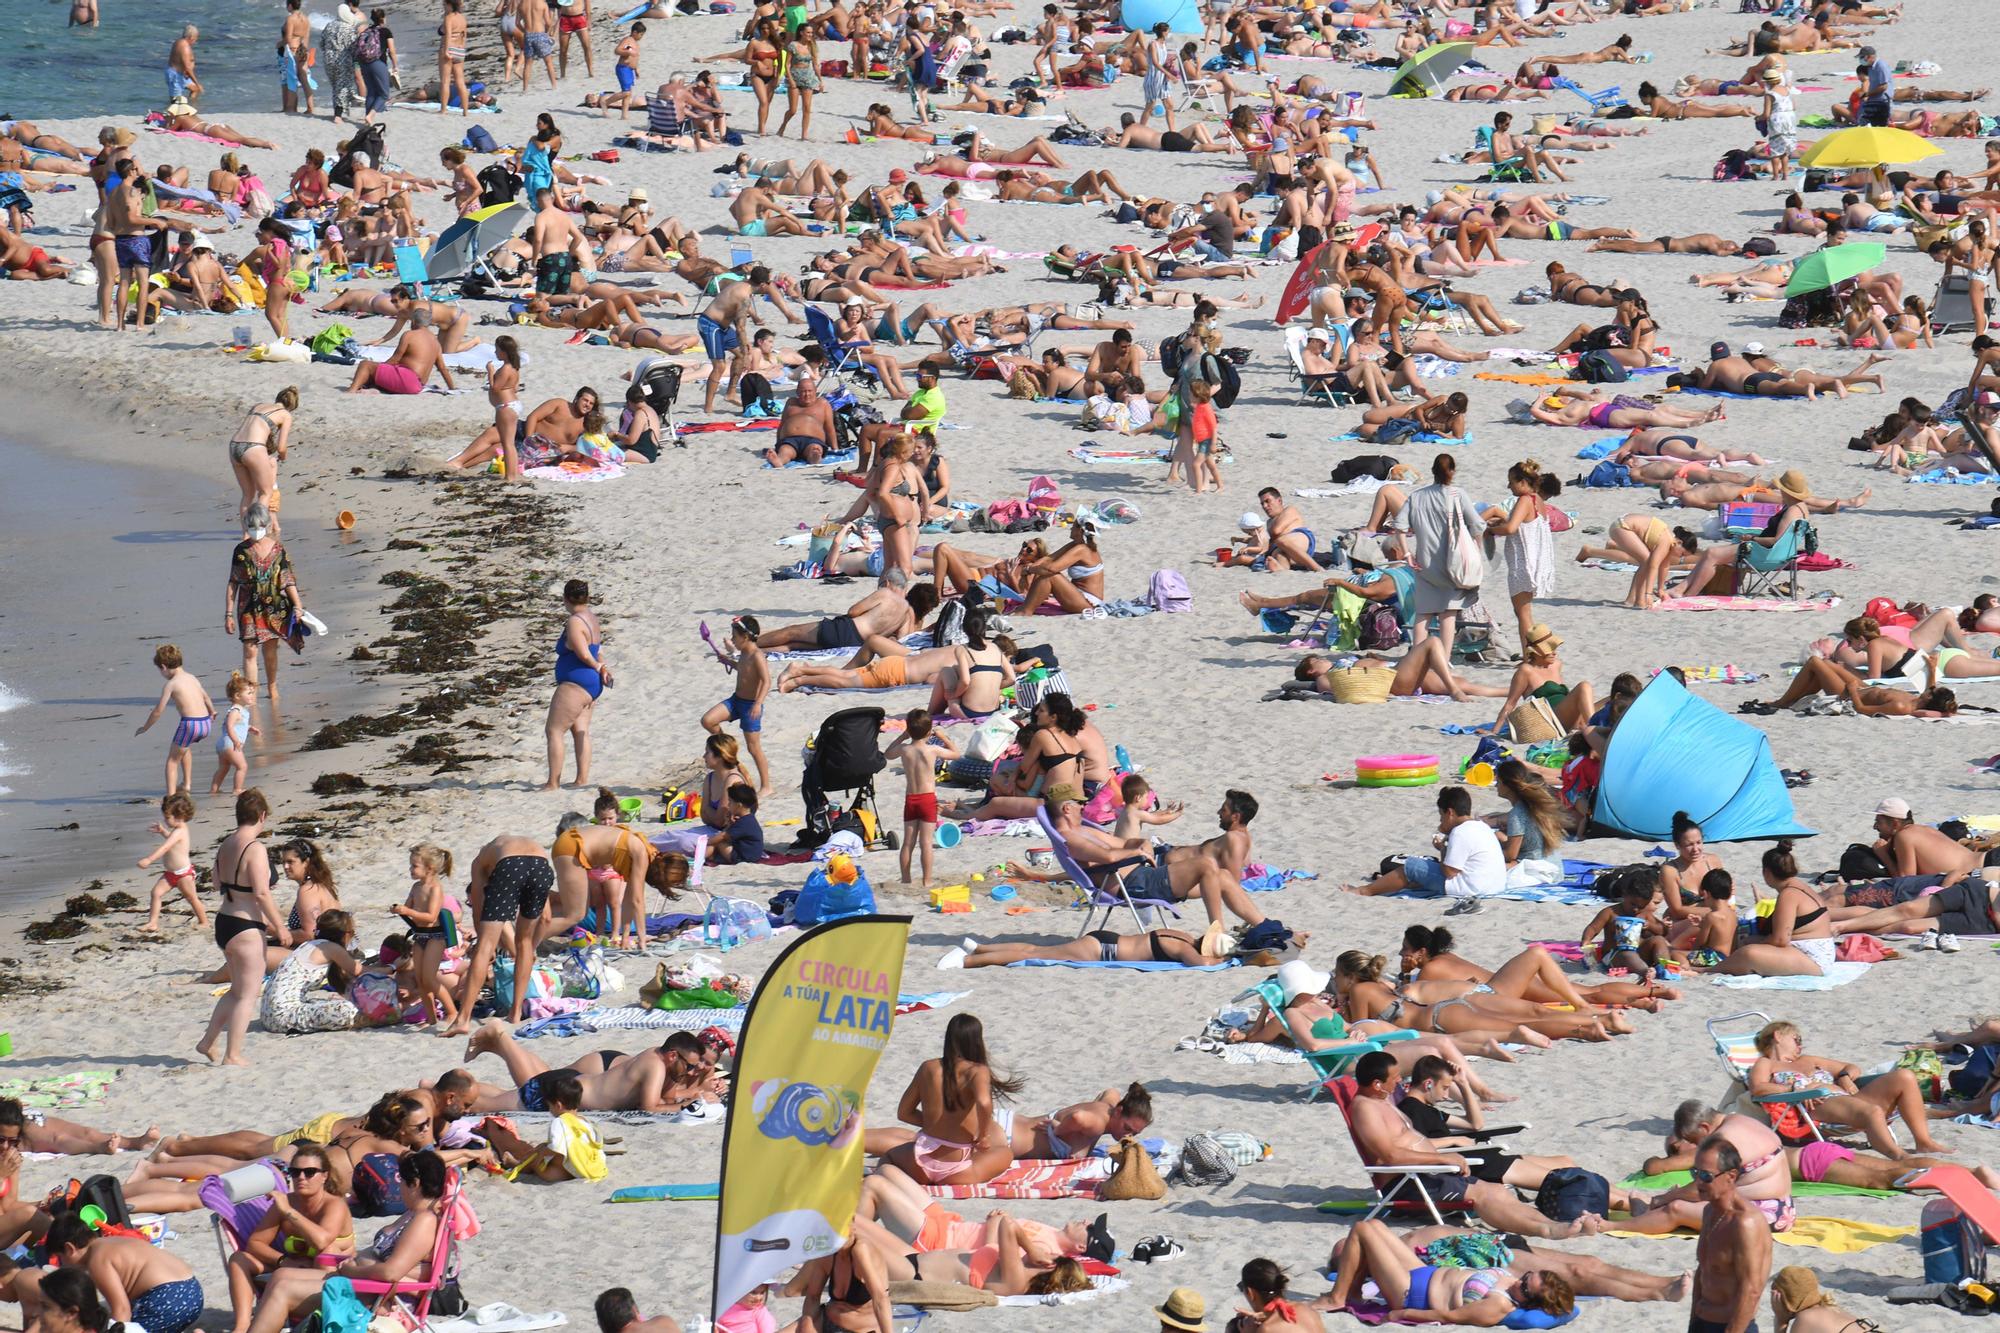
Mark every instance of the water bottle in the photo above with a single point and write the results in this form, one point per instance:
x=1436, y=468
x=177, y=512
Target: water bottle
x=249, y=1182
x=1124, y=760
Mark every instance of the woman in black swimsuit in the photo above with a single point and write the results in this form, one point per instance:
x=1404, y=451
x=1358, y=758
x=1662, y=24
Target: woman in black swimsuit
x=1157, y=946
x=243, y=874
x=1571, y=288
x=851, y=1286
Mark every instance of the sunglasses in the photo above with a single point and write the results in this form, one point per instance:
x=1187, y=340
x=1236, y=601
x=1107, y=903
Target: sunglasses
x=304, y=1172
x=1704, y=1177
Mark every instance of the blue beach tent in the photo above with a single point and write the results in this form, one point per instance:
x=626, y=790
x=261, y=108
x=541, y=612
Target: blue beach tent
x=1673, y=751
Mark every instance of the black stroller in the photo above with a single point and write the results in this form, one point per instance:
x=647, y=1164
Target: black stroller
x=662, y=383
x=845, y=757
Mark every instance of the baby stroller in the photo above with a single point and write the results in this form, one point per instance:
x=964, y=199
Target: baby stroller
x=845, y=757
x=662, y=383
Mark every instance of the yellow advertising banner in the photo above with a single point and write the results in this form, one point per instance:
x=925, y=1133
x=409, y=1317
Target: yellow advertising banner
x=791, y=1152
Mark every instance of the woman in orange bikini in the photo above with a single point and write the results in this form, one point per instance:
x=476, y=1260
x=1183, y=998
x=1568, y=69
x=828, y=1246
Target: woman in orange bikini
x=584, y=853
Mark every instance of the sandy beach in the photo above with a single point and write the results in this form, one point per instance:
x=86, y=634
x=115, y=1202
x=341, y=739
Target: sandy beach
x=693, y=538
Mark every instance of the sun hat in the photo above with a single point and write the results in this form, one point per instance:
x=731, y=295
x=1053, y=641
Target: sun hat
x=1365, y=550
x=851, y=302
x=1185, y=1309
x=180, y=107
x=1343, y=230
x=1753, y=349
x=1087, y=520
x=1800, y=1288
x=1251, y=520
x=202, y=243
x=1318, y=335
x=638, y=195
x=1773, y=75
x=898, y=176
x=115, y=135
x=1895, y=807
x=1061, y=792
x=1541, y=636
x=1792, y=482
x=1299, y=977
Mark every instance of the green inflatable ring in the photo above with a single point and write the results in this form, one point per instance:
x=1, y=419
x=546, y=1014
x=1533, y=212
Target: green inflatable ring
x=1430, y=781
x=1429, y=771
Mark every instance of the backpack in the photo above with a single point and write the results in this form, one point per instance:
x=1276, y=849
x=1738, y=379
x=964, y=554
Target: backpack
x=1168, y=592
x=949, y=627
x=1599, y=368
x=1377, y=629
x=1568, y=1192
x=376, y=1187
x=368, y=46
x=1951, y=1243
x=1221, y=372
x=1203, y=1161
x=497, y=185
x=103, y=1192
x=480, y=140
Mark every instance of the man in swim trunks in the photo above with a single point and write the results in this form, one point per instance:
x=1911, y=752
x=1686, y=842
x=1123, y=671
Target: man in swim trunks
x=559, y=244
x=409, y=367
x=806, y=430
x=511, y=880
x=1813, y=1162
x=574, y=21
x=757, y=212
x=141, y=1284
x=1733, y=1256
x=1701, y=243
x=1146, y=874
x=670, y=1077
x=132, y=234
x=1763, y=1178
x=1910, y=848
x=885, y=612
x=724, y=325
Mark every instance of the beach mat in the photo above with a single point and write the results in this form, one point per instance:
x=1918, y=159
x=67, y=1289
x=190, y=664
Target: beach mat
x=1035, y=1180
x=1801, y=1189
x=1743, y=604
x=1147, y=965
x=1837, y=974
x=666, y=1193
x=1835, y=1235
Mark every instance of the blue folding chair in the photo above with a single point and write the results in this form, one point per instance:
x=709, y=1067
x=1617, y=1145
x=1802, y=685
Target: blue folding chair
x=842, y=358
x=410, y=270
x=1602, y=100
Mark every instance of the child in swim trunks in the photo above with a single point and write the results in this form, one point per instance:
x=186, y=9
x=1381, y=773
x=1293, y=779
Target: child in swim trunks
x=176, y=869
x=745, y=705
x=921, y=749
x=196, y=709
x=236, y=728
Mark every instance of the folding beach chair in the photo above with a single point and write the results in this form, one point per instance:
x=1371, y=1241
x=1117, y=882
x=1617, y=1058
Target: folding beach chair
x=1774, y=569
x=410, y=270
x=1093, y=897
x=1329, y=1062
x=1790, y=1113
x=1602, y=100
x=1327, y=388
x=414, y=1294
x=1951, y=307
x=1396, y=1187
x=843, y=358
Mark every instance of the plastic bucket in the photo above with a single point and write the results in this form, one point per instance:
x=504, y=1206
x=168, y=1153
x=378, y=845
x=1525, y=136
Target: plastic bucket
x=630, y=807
x=947, y=835
x=344, y=520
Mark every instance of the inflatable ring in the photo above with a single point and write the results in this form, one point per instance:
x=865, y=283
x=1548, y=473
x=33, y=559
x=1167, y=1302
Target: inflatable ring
x=1396, y=761
x=1430, y=781
x=1430, y=772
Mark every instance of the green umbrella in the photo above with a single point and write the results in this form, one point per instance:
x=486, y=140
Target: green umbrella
x=1825, y=268
x=1425, y=72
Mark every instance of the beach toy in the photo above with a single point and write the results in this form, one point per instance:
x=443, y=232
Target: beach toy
x=947, y=895
x=1003, y=893
x=1381, y=773
x=681, y=804
x=6, y=1044
x=630, y=807
x=1479, y=775
x=1365, y=781
x=1396, y=770
x=91, y=1216
x=1368, y=761
x=344, y=520
x=947, y=835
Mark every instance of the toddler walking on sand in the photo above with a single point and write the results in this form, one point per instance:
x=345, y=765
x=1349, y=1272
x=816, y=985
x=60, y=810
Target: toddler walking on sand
x=176, y=869
x=236, y=728
x=920, y=749
x=197, y=713
x=745, y=705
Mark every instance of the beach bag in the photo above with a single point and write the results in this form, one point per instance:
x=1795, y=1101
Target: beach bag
x=543, y=983
x=949, y=627
x=1464, y=565
x=1361, y=685
x=375, y=1186
x=991, y=739
x=1951, y=1243
x=1168, y=592
x=103, y=1192
x=1377, y=629
x=822, y=899
x=479, y=139
x=1859, y=862
x=1928, y=1069
x=1532, y=722
x=497, y=185
x=1568, y=1192
x=1362, y=465
x=1204, y=1161
x=1044, y=495
x=368, y=46
x=1599, y=368
x=1135, y=1176
x=1970, y=1077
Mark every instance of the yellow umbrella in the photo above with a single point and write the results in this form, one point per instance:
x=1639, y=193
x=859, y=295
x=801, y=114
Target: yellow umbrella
x=1869, y=146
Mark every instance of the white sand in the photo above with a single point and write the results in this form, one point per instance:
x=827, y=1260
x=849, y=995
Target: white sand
x=693, y=538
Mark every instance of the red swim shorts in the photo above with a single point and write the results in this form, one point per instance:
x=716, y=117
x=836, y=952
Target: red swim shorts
x=36, y=258
x=920, y=809
x=573, y=23
x=397, y=379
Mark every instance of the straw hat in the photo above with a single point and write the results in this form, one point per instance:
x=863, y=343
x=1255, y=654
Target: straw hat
x=1542, y=638
x=1184, y=1308
x=638, y=195
x=1792, y=482
x=177, y=107
x=1343, y=231
x=117, y=136
x=1299, y=977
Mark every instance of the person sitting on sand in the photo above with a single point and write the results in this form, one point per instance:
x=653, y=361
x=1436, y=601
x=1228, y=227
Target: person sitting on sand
x=1419, y=1292
x=1386, y=1138
x=418, y=354
x=671, y=1077
x=36, y=1131
x=949, y=1100
x=1540, y=676
x=1469, y=864
x=141, y=1284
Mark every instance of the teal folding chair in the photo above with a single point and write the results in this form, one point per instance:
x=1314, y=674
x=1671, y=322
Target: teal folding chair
x=410, y=270
x=1774, y=569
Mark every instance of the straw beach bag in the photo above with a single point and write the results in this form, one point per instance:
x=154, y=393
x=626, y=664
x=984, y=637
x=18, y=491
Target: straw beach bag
x=1533, y=722
x=1136, y=1177
x=1361, y=685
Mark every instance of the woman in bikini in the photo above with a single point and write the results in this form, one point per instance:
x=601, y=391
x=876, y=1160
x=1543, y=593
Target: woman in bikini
x=1646, y=541
x=980, y=669
x=1361, y=994
x=259, y=445
x=883, y=126
x=1574, y=289
x=1680, y=877
x=1797, y=939
x=1421, y=1293
x=898, y=499
x=451, y=60
x=243, y=875
x=1053, y=752
x=1783, y=1066
x=1073, y=576
x=1427, y=960
x=950, y=1101
x=1540, y=676
x=954, y=569
x=503, y=392
x=1306, y=1021
x=611, y=858
x=1573, y=407
x=1673, y=442
x=306, y=1221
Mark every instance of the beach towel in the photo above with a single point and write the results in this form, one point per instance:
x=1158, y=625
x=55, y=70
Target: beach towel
x=575, y=472
x=666, y=1193
x=58, y=1090
x=1801, y=1189
x=1149, y=965
x=1359, y=486
x=1728, y=673
x=1100, y=1284
x=845, y=458
x=1837, y=974
x=1421, y=437
x=1950, y=477
x=710, y=427
x=1835, y=1235
x=1120, y=457
x=499, y=1317
x=1745, y=604
x=1031, y=1179
x=475, y=358
x=1601, y=448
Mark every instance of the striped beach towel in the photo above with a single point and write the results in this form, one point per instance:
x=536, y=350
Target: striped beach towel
x=1036, y=1180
